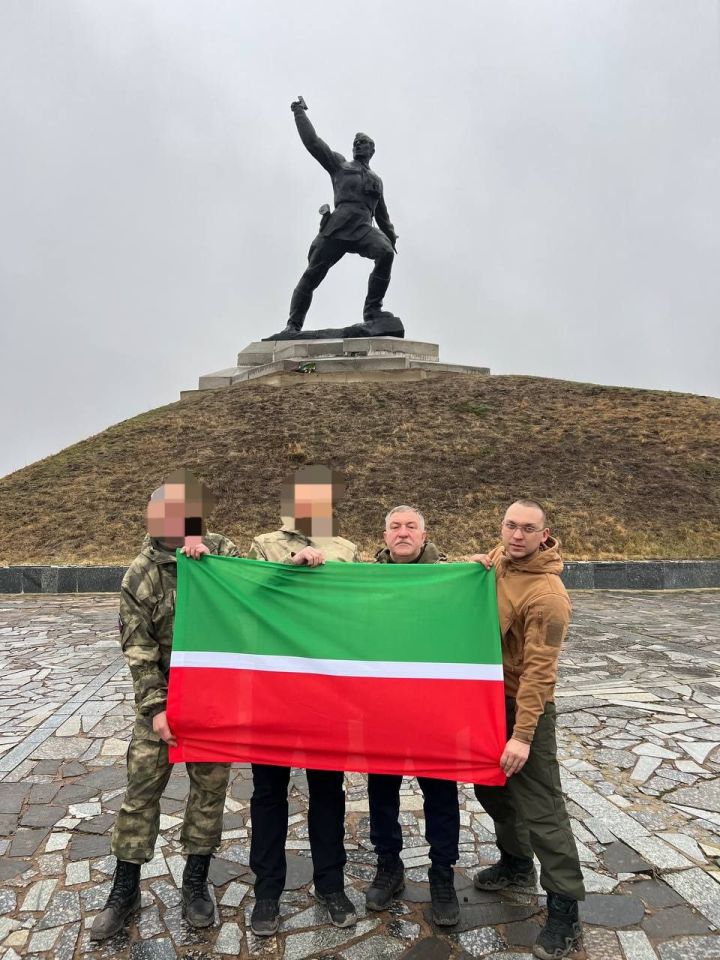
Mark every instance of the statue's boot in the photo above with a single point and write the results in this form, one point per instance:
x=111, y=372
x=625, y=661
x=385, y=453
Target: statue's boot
x=377, y=288
x=299, y=306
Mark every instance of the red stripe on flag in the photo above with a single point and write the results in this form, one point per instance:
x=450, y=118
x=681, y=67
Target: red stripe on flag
x=451, y=729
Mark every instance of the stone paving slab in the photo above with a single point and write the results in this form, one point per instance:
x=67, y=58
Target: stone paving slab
x=639, y=741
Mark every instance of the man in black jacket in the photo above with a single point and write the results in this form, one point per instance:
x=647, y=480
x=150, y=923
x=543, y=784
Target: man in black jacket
x=406, y=542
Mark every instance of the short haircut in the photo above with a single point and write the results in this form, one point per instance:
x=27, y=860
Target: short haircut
x=404, y=508
x=314, y=473
x=529, y=502
x=195, y=490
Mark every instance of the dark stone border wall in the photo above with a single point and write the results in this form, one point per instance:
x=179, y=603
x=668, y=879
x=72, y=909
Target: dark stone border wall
x=578, y=575
x=61, y=579
x=641, y=574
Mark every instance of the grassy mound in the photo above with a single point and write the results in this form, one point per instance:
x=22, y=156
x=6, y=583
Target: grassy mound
x=624, y=473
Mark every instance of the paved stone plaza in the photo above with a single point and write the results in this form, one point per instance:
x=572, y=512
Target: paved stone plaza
x=639, y=705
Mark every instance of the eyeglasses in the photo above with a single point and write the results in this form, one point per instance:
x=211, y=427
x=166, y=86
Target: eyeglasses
x=526, y=528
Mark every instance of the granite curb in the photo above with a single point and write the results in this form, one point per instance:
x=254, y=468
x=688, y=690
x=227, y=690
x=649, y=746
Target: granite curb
x=578, y=575
x=50, y=579
x=641, y=574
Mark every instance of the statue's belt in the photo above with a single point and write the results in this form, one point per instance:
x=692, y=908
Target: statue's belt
x=359, y=205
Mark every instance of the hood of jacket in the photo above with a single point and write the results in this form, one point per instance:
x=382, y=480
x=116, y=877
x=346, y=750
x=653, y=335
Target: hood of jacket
x=546, y=560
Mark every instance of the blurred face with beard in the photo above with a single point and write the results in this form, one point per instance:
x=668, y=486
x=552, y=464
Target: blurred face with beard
x=177, y=512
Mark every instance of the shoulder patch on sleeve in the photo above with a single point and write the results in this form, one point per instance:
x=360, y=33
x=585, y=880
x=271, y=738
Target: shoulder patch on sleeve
x=555, y=632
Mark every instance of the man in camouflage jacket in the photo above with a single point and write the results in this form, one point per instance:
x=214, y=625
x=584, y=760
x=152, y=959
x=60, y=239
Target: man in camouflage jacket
x=147, y=611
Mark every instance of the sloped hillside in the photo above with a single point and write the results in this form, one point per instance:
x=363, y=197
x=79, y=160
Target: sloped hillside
x=624, y=473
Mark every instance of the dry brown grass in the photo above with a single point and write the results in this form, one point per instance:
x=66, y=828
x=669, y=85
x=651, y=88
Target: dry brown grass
x=625, y=473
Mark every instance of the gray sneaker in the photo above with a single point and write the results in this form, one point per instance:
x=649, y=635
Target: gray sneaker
x=339, y=906
x=265, y=918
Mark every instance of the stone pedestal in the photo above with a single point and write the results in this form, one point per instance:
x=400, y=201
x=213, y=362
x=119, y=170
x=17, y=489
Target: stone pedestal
x=280, y=362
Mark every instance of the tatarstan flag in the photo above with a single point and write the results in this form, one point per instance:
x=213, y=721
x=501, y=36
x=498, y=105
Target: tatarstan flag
x=389, y=668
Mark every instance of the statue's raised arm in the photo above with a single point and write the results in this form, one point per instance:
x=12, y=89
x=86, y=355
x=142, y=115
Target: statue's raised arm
x=330, y=160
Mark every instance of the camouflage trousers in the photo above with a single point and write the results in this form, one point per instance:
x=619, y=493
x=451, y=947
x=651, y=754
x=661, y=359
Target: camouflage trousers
x=138, y=821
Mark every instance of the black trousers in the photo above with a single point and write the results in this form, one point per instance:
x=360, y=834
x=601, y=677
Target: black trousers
x=442, y=817
x=529, y=811
x=326, y=825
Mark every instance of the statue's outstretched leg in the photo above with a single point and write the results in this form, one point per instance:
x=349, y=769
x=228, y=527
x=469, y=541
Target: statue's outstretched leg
x=324, y=254
x=300, y=304
x=378, y=247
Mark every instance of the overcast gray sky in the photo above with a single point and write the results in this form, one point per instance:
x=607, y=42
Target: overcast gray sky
x=551, y=167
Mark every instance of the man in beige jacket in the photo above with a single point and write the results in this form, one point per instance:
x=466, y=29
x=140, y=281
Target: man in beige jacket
x=308, y=537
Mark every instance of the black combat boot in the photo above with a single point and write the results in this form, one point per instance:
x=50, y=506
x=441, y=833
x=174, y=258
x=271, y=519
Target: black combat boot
x=197, y=906
x=444, y=901
x=562, y=934
x=389, y=880
x=509, y=871
x=123, y=901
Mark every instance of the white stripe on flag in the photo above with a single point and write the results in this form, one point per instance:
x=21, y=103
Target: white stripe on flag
x=337, y=668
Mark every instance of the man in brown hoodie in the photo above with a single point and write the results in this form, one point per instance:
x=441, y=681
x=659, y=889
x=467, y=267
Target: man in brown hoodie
x=529, y=811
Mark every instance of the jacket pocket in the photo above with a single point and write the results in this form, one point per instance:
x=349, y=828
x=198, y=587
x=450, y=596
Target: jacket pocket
x=513, y=649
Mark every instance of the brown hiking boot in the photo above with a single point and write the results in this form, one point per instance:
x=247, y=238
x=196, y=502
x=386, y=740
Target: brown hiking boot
x=509, y=871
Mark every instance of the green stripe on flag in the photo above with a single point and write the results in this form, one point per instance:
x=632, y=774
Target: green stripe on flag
x=433, y=613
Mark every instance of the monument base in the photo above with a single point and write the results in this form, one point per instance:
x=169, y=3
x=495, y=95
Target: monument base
x=348, y=360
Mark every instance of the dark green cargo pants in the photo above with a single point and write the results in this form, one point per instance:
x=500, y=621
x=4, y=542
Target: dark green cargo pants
x=529, y=811
x=138, y=820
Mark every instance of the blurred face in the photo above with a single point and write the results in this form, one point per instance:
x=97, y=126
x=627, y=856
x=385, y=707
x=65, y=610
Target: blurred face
x=404, y=536
x=523, y=532
x=313, y=509
x=174, y=520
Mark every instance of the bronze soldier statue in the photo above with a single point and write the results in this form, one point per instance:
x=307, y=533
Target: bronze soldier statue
x=358, y=197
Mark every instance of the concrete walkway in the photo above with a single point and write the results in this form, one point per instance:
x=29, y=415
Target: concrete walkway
x=639, y=704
